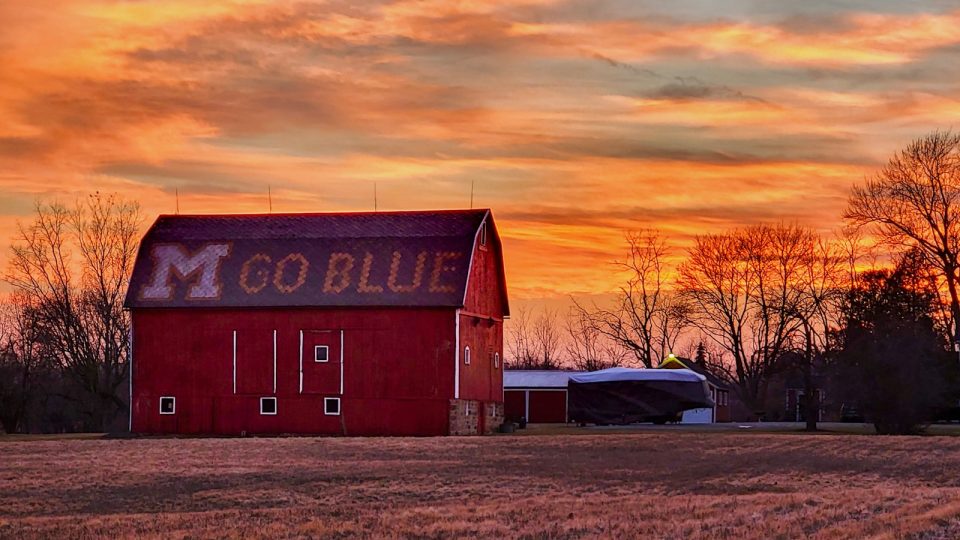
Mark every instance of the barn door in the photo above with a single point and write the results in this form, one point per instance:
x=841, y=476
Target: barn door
x=321, y=362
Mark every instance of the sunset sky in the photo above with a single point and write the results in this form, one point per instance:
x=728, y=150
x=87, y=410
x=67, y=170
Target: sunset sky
x=574, y=120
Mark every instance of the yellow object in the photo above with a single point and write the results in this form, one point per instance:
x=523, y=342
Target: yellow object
x=672, y=362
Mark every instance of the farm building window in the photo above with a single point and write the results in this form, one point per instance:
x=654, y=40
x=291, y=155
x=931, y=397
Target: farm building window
x=466, y=356
x=496, y=360
x=331, y=406
x=168, y=405
x=483, y=233
x=268, y=405
x=321, y=353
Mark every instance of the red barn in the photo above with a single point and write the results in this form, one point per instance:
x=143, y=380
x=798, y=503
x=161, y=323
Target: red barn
x=385, y=323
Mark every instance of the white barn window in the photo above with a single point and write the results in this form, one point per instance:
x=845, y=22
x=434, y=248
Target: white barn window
x=466, y=355
x=168, y=405
x=321, y=353
x=268, y=405
x=331, y=406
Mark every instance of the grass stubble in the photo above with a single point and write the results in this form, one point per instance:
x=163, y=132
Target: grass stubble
x=651, y=485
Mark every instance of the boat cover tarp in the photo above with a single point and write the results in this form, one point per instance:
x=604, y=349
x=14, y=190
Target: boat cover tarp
x=624, y=395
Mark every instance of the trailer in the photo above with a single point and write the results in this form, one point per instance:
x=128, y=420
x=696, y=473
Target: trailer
x=625, y=395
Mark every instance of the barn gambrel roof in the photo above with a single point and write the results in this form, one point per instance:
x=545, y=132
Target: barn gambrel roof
x=418, y=258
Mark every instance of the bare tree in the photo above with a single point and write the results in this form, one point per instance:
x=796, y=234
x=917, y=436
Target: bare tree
x=547, y=339
x=647, y=319
x=519, y=340
x=746, y=290
x=79, y=301
x=587, y=348
x=914, y=201
x=823, y=280
x=534, y=343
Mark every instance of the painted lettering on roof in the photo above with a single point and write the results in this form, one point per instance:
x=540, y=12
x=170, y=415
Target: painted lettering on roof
x=306, y=260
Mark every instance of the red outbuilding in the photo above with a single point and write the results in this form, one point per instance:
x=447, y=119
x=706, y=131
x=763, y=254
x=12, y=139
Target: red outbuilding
x=386, y=323
x=539, y=396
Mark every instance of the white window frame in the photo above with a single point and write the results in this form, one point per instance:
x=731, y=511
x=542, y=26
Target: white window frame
x=317, y=348
x=275, y=407
x=483, y=233
x=331, y=400
x=174, y=411
x=466, y=355
x=496, y=360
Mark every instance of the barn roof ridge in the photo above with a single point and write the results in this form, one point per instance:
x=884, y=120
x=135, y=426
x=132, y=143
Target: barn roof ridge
x=332, y=213
x=304, y=225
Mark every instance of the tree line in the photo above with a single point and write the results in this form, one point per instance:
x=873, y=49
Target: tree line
x=761, y=300
x=750, y=303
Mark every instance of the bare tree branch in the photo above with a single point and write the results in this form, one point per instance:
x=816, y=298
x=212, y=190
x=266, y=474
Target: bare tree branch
x=758, y=293
x=81, y=317
x=914, y=201
x=647, y=319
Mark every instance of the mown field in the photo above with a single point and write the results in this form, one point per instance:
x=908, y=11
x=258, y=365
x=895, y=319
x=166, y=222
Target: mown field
x=654, y=485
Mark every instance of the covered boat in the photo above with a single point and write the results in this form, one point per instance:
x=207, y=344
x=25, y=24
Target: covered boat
x=625, y=395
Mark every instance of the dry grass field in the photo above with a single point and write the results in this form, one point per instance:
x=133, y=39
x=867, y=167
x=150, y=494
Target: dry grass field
x=652, y=485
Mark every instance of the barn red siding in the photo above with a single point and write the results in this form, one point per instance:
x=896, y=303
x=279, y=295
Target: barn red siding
x=483, y=286
x=398, y=370
x=482, y=379
x=514, y=405
x=481, y=324
x=548, y=406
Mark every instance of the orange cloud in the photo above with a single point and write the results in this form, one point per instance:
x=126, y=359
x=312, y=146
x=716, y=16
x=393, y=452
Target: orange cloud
x=865, y=39
x=574, y=124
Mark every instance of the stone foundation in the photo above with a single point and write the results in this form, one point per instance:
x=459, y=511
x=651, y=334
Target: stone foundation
x=465, y=416
x=494, y=417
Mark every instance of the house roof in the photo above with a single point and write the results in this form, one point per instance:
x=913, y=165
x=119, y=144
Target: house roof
x=529, y=378
x=419, y=258
x=672, y=362
x=693, y=365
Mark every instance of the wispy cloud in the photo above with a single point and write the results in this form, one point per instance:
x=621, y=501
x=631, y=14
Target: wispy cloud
x=572, y=122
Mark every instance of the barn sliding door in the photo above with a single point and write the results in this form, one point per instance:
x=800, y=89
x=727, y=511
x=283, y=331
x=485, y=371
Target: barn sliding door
x=321, y=362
